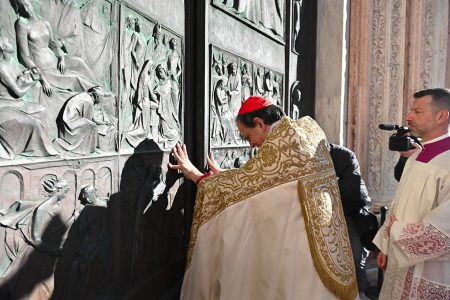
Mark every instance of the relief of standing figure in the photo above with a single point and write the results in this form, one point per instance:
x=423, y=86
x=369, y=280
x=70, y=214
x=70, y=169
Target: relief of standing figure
x=234, y=88
x=221, y=102
x=247, y=86
x=169, y=101
x=174, y=61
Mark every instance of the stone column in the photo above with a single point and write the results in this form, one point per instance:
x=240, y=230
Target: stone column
x=331, y=67
x=388, y=25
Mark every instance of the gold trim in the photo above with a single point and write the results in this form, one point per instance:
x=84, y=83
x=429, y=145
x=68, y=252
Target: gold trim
x=327, y=233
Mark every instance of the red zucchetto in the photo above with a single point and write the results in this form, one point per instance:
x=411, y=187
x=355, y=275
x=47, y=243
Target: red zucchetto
x=253, y=103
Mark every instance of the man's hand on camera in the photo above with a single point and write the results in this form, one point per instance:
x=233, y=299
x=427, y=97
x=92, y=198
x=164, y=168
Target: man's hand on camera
x=408, y=153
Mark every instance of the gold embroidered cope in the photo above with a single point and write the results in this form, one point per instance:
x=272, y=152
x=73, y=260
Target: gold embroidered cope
x=293, y=151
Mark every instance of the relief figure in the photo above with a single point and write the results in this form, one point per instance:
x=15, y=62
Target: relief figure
x=296, y=35
x=276, y=90
x=20, y=131
x=174, y=62
x=134, y=51
x=89, y=269
x=99, y=34
x=156, y=50
x=234, y=88
x=78, y=130
x=221, y=102
x=259, y=82
x=169, y=102
x=34, y=233
x=38, y=49
x=145, y=109
x=296, y=98
x=247, y=86
x=268, y=86
x=272, y=15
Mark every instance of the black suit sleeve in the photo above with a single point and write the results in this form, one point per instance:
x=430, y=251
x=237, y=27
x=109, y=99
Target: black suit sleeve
x=351, y=186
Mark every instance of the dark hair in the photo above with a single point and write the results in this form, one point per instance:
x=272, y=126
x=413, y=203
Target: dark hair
x=440, y=96
x=269, y=114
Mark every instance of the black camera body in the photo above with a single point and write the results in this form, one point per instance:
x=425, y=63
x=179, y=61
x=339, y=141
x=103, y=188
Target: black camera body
x=400, y=143
x=401, y=140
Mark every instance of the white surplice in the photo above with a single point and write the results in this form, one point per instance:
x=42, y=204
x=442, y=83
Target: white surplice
x=418, y=244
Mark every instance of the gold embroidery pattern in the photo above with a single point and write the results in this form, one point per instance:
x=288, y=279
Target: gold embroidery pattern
x=291, y=151
x=327, y=234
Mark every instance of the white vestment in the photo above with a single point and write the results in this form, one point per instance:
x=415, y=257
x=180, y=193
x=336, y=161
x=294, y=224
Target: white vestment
x=274, y=228
x=418, y=244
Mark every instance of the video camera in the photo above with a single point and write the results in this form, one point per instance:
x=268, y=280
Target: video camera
x=401, y=140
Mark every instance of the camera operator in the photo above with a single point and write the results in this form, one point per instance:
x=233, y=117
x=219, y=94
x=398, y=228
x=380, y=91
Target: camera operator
x=414, y=241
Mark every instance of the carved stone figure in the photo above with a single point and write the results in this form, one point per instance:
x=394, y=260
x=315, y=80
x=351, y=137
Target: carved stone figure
x=297, y=12
x=253, y=11
x=90, y=267
x=268, y=86
x=136, y=49
x=132, y=62
x=38, y=49
x=259, y=81
x=33, y=233
x=242, y=159
x=145, y=109
x=247, y=86
x=65, y=20
x=15, y=81
x=221, y=102
x=276, y=90
x=78, y=130
x=21, y=133
x=174, y=62
x=216, y=127
x=217, y=71
x=296, y=97
x=268, y=14
x=228, y=160
x=169, y=102
x=156, y=50
x=99, y=34
x=272, y=15
x=234, y=88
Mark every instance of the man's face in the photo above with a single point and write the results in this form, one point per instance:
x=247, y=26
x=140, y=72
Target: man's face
x=256, y=135
x=421, y=119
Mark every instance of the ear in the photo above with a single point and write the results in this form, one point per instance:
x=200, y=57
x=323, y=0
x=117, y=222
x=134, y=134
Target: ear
x=259, y=122
x=443, y=116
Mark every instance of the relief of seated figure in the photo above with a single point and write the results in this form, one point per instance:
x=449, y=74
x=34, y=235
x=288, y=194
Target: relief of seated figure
x=38, y=50
x=81, y=125
x=20, y=131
